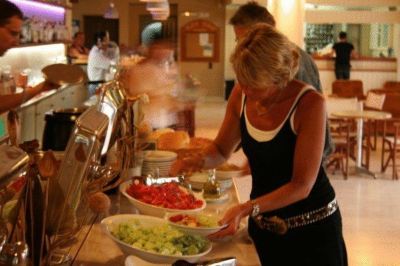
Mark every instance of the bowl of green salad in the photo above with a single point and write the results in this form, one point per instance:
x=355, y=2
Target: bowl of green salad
x=154, y=240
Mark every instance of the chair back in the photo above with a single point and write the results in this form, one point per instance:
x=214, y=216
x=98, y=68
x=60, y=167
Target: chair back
x=374, y=101
x=392, y=85
x=391, y=105
x=348, y=89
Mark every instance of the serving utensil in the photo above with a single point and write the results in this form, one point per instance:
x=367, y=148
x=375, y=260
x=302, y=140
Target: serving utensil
x=63, y=74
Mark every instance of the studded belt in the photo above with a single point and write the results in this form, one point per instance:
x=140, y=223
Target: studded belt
x=280, y=226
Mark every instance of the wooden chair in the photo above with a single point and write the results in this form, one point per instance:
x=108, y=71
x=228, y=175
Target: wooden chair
x=348, y=89
x=343, y=133
x=343, y=139
x=374, y=101
x=390, y=135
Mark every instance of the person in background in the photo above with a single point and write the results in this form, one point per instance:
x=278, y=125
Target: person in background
x=344, y=50
x=11, y=19
x=99, y=62
x=251, y=13
x=78, y=50
x=294, y=218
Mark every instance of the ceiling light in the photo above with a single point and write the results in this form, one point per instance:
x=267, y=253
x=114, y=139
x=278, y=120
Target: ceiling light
x=111, y=12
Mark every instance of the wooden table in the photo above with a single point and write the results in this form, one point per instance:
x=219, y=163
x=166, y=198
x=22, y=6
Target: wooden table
x=99, y=249
x=360, y=116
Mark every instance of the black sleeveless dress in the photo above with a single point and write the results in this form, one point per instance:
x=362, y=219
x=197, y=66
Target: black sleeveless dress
x=271, y=162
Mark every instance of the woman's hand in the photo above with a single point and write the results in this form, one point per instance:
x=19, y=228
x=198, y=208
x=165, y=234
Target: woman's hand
x=232, y=220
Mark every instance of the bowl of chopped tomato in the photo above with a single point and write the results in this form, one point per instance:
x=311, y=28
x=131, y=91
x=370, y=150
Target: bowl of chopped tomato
x=202, y=224
x=157, y=200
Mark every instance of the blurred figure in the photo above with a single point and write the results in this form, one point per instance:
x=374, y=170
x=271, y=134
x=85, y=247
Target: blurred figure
x=157, y=76
x=78, y=50
x=344, y=50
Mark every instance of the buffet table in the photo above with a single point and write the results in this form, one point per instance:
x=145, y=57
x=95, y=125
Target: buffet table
x=99, y=249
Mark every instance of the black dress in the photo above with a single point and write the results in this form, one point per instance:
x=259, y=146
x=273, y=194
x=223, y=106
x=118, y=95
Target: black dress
x=271, y=162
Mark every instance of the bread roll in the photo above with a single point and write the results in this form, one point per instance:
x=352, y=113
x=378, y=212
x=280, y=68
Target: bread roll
x=173, y=140
x=155, y=135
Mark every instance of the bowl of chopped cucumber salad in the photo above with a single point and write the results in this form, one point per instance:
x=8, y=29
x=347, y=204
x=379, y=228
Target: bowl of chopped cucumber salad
x=154, y=240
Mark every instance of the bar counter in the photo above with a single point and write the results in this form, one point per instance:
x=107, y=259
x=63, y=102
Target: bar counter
x=372, y=71
x=99, y=249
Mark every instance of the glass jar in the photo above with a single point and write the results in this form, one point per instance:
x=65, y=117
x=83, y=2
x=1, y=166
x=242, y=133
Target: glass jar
x=211, y=189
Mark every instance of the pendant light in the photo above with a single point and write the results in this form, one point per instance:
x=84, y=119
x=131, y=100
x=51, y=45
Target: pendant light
x=111, y=12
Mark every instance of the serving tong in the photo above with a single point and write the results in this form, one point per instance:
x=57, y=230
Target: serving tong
x=156, y=180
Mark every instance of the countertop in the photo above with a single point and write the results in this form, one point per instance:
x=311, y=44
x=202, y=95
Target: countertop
x=99, y=249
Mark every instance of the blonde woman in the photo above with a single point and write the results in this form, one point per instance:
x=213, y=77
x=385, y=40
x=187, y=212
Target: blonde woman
x=294, y=216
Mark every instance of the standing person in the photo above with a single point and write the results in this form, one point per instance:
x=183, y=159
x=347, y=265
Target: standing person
x=251, y=13
x=344, y=51
x=11, y=19
x=78, y=49
x=99, y=62
x=294, y=216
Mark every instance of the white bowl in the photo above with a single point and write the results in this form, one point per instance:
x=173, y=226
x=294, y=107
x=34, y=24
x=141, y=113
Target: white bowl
x=145, y=208
x=197, y=180
x=203, y=231
x=220, y=174
x=146, y=221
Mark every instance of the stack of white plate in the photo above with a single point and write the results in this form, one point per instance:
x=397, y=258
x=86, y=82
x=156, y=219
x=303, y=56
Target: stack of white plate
x=158, y=162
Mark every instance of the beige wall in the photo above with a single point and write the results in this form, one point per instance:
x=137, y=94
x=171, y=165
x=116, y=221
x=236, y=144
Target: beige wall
x=211, y=75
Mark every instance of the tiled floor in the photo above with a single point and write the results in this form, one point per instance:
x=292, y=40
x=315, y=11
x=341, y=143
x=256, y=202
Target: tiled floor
x=370, y=207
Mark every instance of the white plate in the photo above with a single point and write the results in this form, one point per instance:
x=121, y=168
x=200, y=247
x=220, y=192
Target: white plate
x=204, y=231
x=160, y=156
x=146, y=221
x=222, y=198
x=153, y=210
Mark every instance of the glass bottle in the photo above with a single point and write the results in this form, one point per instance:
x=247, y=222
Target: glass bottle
x=211, y=189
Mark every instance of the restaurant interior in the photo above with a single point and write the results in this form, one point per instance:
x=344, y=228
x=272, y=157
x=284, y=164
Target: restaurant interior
x=79, y=146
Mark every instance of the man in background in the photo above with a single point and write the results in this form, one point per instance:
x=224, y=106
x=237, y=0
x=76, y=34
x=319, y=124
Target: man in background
x=11, y=19
x=77, y=50
x=252, y=13
x=344, y=50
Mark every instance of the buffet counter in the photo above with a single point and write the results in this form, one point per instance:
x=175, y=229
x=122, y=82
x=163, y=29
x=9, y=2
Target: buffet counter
x=99, y=249
x=372, y=71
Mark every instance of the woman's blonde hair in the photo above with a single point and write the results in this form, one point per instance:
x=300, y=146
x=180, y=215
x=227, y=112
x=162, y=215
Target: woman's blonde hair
x=265, y=57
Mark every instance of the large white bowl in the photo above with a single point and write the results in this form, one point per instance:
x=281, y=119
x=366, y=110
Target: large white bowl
x=149, y=209
x=203, y=231
x=146, y=221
